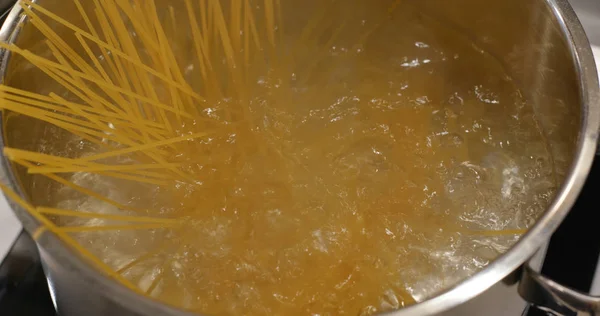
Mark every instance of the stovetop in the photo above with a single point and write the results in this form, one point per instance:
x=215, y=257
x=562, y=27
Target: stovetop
x=24, y=291
x=573, y=252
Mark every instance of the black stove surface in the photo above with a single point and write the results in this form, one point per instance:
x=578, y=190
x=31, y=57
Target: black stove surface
x=574, y=249
x=575, y=246
x=23, y=287
x=27, y=297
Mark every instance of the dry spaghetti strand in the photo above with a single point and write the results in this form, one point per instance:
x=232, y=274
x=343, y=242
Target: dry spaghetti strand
x=494, y=233
x=83, y=229
x=112, y=217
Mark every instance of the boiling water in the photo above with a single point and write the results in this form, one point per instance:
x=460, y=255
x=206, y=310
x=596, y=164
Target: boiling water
x=372, y=175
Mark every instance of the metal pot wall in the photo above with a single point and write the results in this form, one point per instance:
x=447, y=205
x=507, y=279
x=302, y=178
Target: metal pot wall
x=539, y=42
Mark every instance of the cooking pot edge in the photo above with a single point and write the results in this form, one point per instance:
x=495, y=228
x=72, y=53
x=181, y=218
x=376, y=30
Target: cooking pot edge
x=59, y=256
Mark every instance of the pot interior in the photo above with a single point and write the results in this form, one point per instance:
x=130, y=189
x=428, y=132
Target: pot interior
x=389, y=150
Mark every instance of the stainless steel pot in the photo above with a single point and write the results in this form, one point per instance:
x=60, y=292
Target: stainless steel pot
x=542, y=46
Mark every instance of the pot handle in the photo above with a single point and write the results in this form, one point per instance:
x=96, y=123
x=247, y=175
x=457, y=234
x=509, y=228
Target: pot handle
x=554, y=298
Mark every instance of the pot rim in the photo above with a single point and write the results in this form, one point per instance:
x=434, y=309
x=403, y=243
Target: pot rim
x=58, y=255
